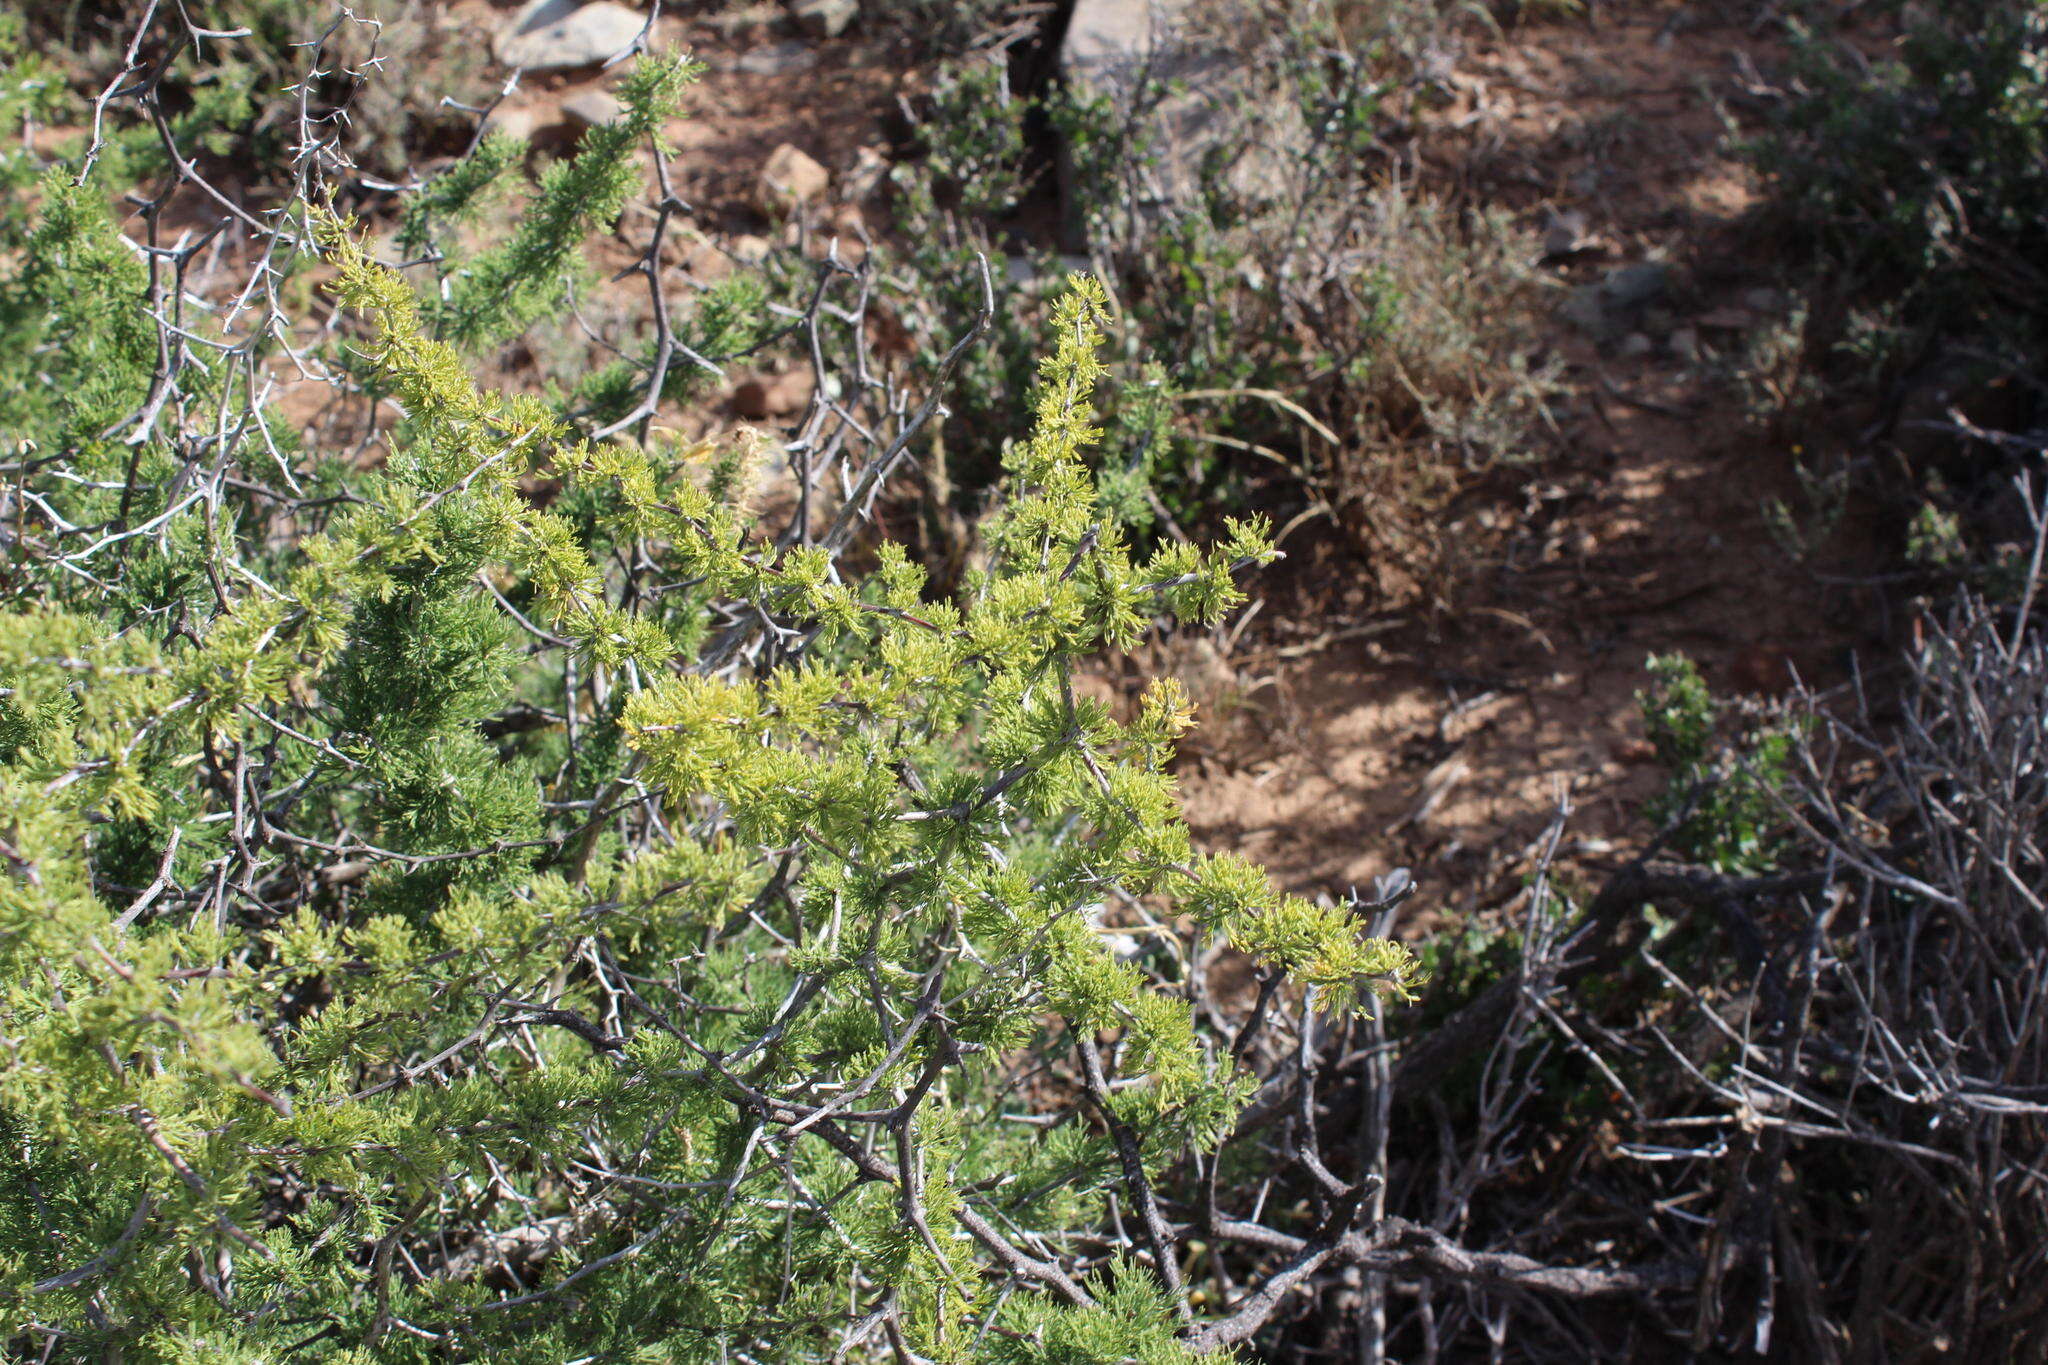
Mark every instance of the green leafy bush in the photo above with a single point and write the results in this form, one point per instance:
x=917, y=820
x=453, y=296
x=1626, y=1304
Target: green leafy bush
x=1912, y=167
x=1911, y=178
x=1722, y=805
x=222, y=76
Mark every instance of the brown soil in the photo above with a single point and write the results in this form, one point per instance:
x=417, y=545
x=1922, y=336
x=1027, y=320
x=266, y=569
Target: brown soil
x=842, y=100
x=1448, y=750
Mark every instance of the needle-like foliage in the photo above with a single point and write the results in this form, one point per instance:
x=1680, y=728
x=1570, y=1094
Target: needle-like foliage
x=471, y=890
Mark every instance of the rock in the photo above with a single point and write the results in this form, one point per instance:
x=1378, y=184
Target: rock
x=1633, y=751
x=513, y=120
x=1766, y=301
x=1037, y=272
x=782, y=395
x=1120, y=49
x=703, y=260
x=1685, y=344
x=1621, y=300
x=1633, y=286
x=1586, y=308
x=790, y=178
x=561, y=35
x=850, y=225
x=778, y=59
x=749, y=249
x=1564, y=234
x=846, y=234
x=750, y=400
x=591, y=109
x=870, y=170
x=1726, y=319
x=825, y=18
x=1636, y=345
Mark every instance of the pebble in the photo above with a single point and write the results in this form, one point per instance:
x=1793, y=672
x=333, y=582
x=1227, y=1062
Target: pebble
x=778, y=59
x=561, y=35
x=870, y=170
x=591, y=109
x=825, y=18
x=781, y=395
x=1564, y=233
x=790, y=177
x=1635, y=285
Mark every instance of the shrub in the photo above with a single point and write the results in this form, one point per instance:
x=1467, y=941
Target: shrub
x=1913, y=186
x=479, y=891
x=1722, y=802
x=1916, y=168
x=221, y=76
x=1332, y=345
x=1791, y=1104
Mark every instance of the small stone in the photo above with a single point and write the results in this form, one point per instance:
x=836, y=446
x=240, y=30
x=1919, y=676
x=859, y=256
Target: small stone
x=561, y=35
x=1762, y=300
x=825, y=18
x=1564, y=234
x=1685, y=344
x=1632, y=286
x=513, y=121
x=1636, y=345
x=870, y=170
x=748, y=249
x=778, y=59
x=591, y=109
x=703, y=260
x=1633, y=751
x=846, y=234
x=1040, y=273
x=750, y=400
x=789, y=178
x=782, y=395
x=1190, y=98
x=1586, y=308
x=1726, y=319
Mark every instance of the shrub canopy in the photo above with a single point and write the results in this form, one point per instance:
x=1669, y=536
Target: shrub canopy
x=476, y=891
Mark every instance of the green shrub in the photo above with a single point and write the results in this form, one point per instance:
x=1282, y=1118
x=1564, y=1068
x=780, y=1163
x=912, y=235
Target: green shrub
x=1337, y=346
x=1722, y=805
x=469, y=891
x=1911, y=169
x=1912, y=184
x=227, y=65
